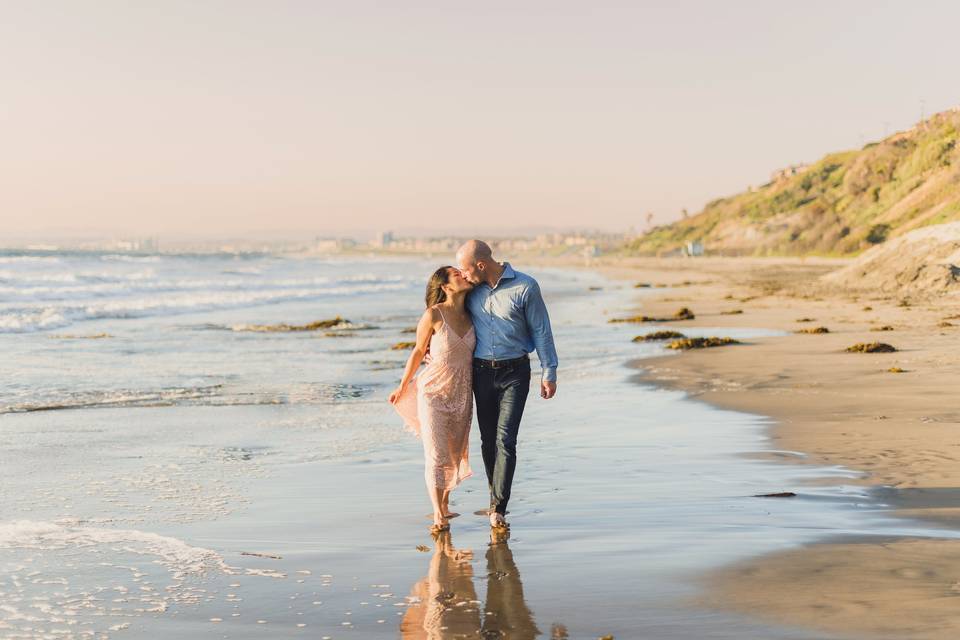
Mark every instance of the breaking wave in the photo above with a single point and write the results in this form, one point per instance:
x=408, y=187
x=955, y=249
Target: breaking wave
x=210, y=395
x=55, y=316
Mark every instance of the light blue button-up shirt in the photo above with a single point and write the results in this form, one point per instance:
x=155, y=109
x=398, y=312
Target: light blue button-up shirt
x=510, y=320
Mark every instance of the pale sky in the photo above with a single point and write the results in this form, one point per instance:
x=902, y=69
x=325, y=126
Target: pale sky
x=325, y=117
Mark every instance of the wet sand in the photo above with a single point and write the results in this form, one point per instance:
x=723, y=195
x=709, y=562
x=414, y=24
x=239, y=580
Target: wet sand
x=900, y=429
x=282, y=497
x=267, y=488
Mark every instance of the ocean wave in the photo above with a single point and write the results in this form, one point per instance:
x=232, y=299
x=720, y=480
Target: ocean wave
x=176, y=555
x=34, y=259
x=121, y=257
x=83, y=285
x=54, y=401
x=209, y=395
x=22, y=276
x=42, y=317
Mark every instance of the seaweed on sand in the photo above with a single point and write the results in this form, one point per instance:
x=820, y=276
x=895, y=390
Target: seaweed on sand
x=700, y=343
x=633, y=319
x=682, y=314
x=871, y=347
x=332, y=323
x=814, y=330
x=659, y=335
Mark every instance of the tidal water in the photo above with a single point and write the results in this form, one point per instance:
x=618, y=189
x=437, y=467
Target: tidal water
x=171, y=467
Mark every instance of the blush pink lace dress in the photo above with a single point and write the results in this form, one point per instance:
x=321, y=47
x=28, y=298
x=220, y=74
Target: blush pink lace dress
x=437, y=406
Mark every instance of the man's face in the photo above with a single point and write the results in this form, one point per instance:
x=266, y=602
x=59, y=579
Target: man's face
x=470, y=271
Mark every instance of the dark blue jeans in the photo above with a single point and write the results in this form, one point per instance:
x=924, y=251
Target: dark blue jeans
x=500, y=397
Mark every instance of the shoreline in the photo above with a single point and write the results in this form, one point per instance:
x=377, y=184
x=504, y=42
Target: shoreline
x=838, y=409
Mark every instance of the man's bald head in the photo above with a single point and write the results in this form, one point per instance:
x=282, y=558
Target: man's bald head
x=474, y=251
x=475, y=259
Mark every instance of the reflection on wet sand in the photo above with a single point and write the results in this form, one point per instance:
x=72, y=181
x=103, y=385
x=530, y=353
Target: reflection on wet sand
x=445, y=601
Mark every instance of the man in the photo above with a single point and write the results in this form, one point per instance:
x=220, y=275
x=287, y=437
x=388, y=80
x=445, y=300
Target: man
x=510, y=320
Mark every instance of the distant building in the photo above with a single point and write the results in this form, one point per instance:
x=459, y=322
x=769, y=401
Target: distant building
x=694, y=248
x=328, y=245
x=383, y=239
x=138, y=245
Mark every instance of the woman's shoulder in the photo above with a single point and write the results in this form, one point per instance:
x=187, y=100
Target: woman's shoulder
x=432, y=314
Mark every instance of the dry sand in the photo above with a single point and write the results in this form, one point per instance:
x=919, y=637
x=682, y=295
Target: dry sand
x=901, y=429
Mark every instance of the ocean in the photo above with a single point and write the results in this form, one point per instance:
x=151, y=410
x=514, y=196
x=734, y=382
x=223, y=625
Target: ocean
x=177, y=463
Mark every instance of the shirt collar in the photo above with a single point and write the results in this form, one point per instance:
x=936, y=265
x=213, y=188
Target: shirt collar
x=508, y=273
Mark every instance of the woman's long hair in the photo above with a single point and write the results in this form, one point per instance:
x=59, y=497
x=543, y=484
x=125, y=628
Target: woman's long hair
x=435, y=292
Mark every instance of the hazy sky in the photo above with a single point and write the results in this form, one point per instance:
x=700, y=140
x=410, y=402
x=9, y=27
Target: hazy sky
x=173, y=117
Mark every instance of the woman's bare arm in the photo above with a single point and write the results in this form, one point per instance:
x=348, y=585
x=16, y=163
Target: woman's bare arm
x=424, y=331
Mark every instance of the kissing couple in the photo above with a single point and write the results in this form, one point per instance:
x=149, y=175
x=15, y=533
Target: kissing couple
x=482, y=320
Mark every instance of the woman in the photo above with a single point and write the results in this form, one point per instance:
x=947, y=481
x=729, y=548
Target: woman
x=442, y=604
x=437, y=405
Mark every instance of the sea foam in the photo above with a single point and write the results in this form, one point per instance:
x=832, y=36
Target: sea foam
x=176, y=555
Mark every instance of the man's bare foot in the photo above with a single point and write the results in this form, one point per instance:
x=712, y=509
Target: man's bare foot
x=497, y=521
x=499, y=535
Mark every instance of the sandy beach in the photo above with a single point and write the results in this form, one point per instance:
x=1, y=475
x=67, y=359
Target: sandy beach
x=203, y=463
x=890, y=416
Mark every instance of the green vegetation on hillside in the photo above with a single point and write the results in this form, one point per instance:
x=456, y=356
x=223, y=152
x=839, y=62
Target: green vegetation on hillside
x=841, y=205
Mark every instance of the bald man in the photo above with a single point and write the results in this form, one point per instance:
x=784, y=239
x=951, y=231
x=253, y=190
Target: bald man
x=510, y=320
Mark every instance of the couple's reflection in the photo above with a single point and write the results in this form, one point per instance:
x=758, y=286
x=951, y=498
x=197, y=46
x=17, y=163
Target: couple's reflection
x=446, y=601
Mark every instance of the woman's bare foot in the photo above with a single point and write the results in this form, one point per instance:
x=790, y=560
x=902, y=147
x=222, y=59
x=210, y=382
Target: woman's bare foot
x=440, y=523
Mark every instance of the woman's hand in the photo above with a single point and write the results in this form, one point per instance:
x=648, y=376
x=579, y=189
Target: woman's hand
x=396, y=395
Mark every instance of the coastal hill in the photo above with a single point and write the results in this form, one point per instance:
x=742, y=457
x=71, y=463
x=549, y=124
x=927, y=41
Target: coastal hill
x=845, y=203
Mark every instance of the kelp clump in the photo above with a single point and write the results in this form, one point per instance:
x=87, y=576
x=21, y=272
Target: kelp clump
x=814, y=330
x=682, y=314
x=332, y=323
x=659, y=335
x=700, y=343
x=633, y=319
x=871, y=347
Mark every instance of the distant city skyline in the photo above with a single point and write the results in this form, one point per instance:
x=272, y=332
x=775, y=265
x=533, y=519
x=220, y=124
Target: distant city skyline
x=347, y=118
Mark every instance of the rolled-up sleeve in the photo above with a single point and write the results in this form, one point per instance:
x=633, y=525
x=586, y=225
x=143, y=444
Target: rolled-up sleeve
x=539, y=323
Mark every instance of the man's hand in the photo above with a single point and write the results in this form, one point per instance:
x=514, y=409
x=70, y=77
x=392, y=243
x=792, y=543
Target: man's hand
x=547, y=389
